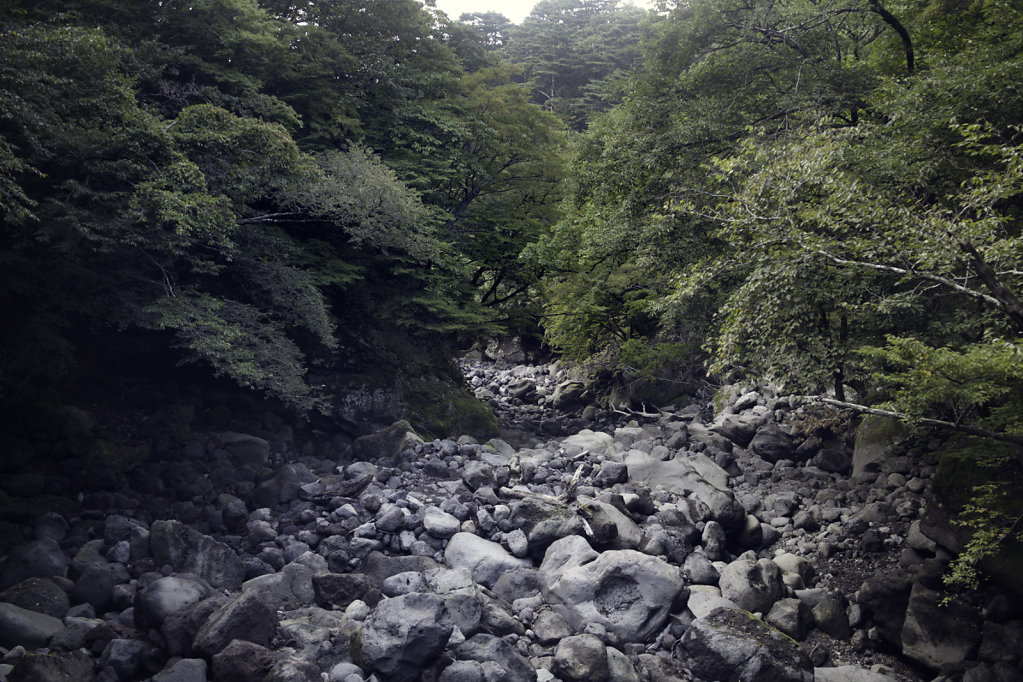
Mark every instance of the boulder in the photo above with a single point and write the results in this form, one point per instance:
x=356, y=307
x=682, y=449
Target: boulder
x=485, y=560
x=594, y=442
x=186, y=550
x=884, y=600
x=38, y=594
x=619, y=667
x=284, y=486
x=934, y=634
x=305, y=628
x=625, y=591
x=168, y=596
x=704, y=599
x=440, y=524
x=581, y=658
x=700, y=570
x=179, y=629
x=849, y=673
x=183, y=670
x=246, y=617
x=729, y=644
x=754, y=585
x=738, y=429
x=544, y=523
x=242, y=661
x=876, y=439
x=402, y=636
x=568, y=395
x=506, y=664
x=772, y=443
x=29, y=629
x=681, y=475
x=127, y=658
x=292, y=586
x=245, y=448
x=95, y=584
x=75, y=665
x=463, y=671
x=386, y=443
x=41, y=558
x=338, y=590
x=625, y=534
x=791, y=617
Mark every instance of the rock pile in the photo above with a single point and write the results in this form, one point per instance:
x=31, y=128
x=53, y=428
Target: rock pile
x=666, y=550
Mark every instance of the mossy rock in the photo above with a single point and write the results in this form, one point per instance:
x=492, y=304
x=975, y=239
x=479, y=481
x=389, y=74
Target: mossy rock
x=439, y=409
x=877, y=439
x=115, y=459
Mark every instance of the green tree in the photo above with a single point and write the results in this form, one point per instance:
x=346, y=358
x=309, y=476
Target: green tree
x=569, y=48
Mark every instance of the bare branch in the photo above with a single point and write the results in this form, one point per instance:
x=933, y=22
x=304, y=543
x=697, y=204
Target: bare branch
x=901, y=416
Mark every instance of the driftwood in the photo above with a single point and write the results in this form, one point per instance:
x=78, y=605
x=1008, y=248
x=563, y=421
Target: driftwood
x=559, y=500
x=634, y=413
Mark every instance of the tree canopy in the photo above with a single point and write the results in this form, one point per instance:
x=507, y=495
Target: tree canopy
x=265, y=186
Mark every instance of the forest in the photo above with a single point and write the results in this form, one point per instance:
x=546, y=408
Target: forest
x=296, y=195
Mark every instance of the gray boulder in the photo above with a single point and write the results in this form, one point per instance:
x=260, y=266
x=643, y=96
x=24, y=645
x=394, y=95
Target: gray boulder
x=487, y=561
x=245, y=617
x=168, y=596
x=183, y=670
x=440, y=524
x=402, y=636
x=180, y=629
x=700, y=570
x=884, y=600
x=772, y=443
x=876, y=440
x=754, y=585
x=550, y=627
x=501, y=663
x=790, y=616
x=95, y=577
x=41, y=558
x=292, y=586
x=568, y=395
x=849, y=673
x=284, y=486
x=338, y=590
x=463, y=671
x=29, y=629
x=738, y=429
x=127, y=658
x=38, y=594
x=75, y=665
x=733, y=645
x=245, y=448
x=935, y=635
x=242, y=661
x=186, y=550
x=386, y=443
x=594, y=442
x=581, y=658
x=625, y=591
x=544, y=523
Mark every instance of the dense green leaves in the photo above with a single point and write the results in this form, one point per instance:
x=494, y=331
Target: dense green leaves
x=261, y=185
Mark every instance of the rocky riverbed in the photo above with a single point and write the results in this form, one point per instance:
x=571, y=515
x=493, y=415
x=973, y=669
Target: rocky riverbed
x=758, y=543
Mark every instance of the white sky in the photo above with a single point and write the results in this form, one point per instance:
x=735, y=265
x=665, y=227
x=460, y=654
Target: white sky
x=516, y=10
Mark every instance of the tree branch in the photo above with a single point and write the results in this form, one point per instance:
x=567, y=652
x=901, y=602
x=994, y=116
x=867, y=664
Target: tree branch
x=929, y=276
x=901, y=416
x=889, y=18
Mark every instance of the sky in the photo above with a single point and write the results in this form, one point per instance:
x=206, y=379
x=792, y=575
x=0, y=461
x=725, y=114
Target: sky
x=516, y=10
